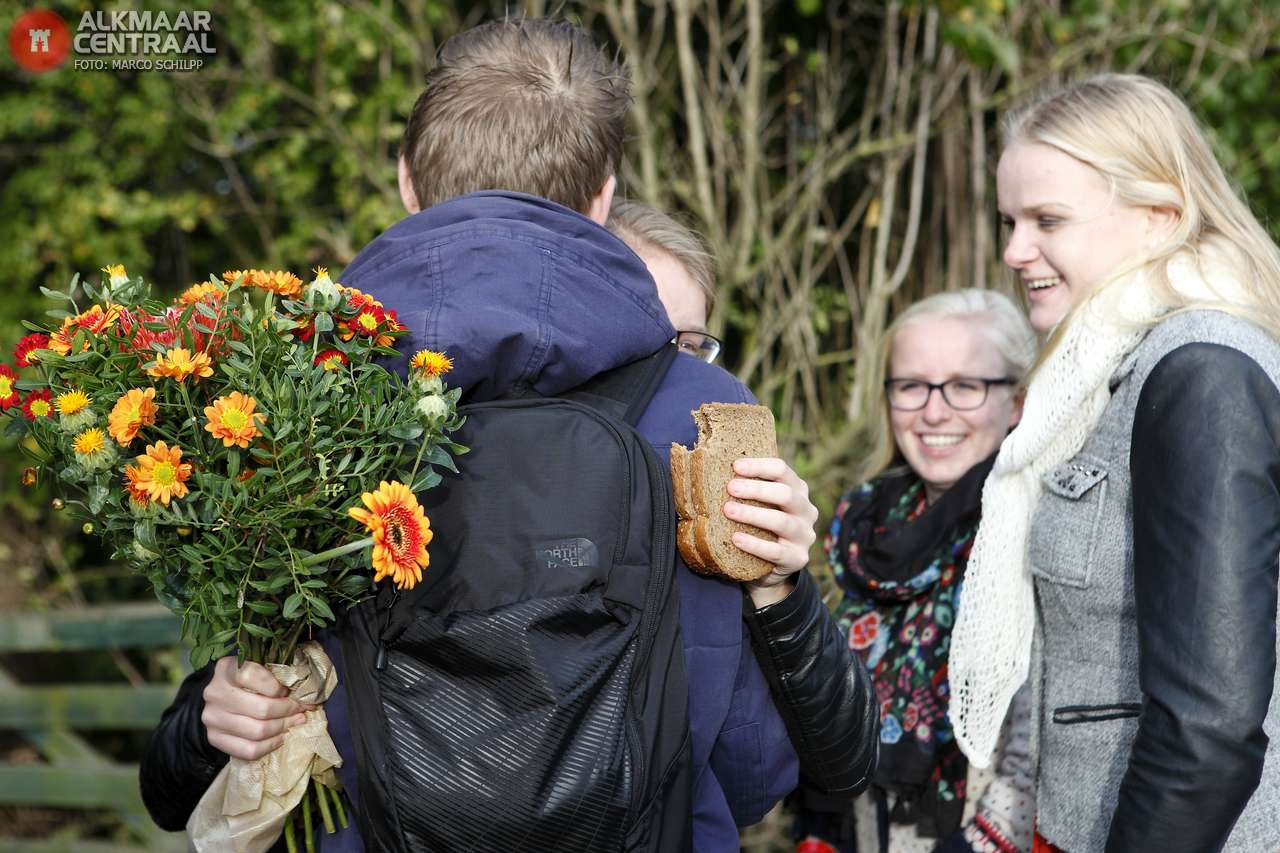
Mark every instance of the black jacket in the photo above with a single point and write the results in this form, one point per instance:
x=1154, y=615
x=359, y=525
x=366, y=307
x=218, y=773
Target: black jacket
x=1205, y=464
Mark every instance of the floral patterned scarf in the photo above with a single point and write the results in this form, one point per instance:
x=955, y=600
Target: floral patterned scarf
x=900, y=563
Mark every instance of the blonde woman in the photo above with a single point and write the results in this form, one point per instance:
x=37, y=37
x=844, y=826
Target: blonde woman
x=1131, y=523
x=953, y=367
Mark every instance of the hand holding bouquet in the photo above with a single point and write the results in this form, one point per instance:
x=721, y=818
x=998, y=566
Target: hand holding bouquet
x=244, y=449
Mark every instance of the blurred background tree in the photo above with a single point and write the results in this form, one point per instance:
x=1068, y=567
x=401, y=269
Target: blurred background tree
x=837, y=154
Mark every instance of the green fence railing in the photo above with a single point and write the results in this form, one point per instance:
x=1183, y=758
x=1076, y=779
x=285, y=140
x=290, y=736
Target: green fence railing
x=55, y=718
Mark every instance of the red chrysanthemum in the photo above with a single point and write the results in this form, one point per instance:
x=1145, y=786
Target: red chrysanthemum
x=39, y=404
x=331, y=359
x=8, y=391
x=27, y=346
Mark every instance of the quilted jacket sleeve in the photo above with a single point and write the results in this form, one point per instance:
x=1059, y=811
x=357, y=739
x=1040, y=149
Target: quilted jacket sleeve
x=179, y=763
x=821, y=689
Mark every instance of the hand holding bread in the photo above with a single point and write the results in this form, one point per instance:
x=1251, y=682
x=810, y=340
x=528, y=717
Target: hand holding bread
x=744, y=514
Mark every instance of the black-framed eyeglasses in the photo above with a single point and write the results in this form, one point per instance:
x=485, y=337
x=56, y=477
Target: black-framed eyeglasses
x=698, y=344
x=963, y=394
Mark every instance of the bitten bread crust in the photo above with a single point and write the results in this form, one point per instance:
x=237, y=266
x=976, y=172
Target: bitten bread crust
x=726, y=431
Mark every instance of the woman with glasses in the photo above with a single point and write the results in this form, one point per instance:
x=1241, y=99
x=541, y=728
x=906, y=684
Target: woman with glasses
x=1130, y=525
x=953, y=366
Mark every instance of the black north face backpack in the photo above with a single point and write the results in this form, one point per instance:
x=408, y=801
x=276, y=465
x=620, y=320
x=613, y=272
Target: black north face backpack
x=530, y=694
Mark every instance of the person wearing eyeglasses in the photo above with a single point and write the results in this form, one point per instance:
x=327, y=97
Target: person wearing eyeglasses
x=953, y=367
x=818, y=686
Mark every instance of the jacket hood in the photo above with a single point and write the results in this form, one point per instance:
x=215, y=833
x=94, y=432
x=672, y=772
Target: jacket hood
x=520, y=292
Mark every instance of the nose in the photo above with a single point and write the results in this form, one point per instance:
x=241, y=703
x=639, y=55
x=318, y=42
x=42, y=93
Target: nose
x=1020, y=251
x=935, y=409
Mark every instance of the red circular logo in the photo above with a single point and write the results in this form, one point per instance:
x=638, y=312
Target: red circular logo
x=40, y=40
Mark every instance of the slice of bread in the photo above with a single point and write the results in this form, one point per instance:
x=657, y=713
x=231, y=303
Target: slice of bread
x=726, y=431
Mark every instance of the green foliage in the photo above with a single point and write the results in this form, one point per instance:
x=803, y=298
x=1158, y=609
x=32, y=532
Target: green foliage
x=239, y=521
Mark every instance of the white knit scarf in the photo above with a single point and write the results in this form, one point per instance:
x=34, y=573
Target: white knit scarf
x=991, y=643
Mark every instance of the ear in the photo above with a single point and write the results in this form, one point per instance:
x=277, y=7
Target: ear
x=1016, y=417
x=1160, y=223
x=598, y=208
x=407, y=196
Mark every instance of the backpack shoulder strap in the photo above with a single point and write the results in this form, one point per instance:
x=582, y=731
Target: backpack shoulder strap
x=624, y=392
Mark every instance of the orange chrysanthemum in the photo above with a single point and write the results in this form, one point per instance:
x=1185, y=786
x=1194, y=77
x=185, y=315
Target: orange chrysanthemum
x=430, y=363
x=137, y=494
x=179, y=363
x=205, y=290
x=279, y=282
x=161, y=473
x=400, y=530
x=60, y=341
x=232, y=419
x=134, y=410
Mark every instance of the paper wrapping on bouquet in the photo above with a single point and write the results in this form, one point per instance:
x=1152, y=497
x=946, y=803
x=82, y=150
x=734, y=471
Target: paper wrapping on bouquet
x=245, y=808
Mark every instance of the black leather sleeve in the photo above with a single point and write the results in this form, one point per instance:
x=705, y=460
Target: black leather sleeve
x=1205, y=462
x=821, y=688
x=179, y=763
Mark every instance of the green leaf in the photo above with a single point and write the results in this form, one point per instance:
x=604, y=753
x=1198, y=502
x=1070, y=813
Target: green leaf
x=320, y=606
x=258, y=631
x=233, y=463
x=324, y=322
x=98, y=494
x=16, y=428
x=408, y=432
x=266, y=608
x=292, y=605
x=55, y=294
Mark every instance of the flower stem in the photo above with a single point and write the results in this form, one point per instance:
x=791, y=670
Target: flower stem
x=307, y=829
x=290, y=839
x=323, y=802
x=337, y=805
x=340, y=551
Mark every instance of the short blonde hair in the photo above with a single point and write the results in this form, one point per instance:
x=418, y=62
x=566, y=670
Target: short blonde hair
x=1001, y=322
x=1144, y=141
x=642, y=227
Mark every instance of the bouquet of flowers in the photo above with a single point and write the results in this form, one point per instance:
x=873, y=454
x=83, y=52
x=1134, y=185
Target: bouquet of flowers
x=243, y=448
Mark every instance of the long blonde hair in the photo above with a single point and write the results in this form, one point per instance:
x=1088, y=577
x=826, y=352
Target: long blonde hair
x=1144, y=140
x=1004, y=325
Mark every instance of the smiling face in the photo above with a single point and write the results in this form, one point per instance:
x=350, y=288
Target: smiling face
x=1069, y=231
x=940, y=443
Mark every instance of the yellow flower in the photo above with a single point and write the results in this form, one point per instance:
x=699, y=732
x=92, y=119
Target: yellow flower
x=430, y=363
x=115, y=274
x=179, y=363
x=400, y=530
x=134, y=410
x=89, y=442
x=72, y=402
x=161, y=473
x=232, y=419
x=92, y=451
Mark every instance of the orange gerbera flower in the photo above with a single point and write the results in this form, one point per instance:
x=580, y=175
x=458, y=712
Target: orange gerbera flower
x=179, y=363
x=60, y=341
x=400, y=530
x=97, y=319
x=134, y=410
x=232, y=419
x=430, y=363
x=161, y=473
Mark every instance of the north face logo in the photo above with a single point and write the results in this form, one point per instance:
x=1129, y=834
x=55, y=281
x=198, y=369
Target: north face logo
x=568, y=553
x=39, y=40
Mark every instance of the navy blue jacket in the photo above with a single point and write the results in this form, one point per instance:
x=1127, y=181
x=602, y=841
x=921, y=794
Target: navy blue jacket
x=522, y=292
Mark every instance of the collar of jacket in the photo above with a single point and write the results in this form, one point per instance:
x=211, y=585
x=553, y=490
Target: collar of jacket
x=522, y=293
